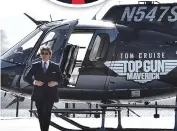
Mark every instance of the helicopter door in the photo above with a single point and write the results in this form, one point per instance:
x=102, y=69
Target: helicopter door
x=93, y=73
x=56, y=38
x=142, y=60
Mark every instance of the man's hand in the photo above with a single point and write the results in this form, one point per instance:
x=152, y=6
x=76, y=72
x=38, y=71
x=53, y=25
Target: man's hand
x=38, y=83
x=52, y=83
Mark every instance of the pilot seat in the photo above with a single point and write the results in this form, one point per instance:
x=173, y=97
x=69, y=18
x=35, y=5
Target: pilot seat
x=68, y=61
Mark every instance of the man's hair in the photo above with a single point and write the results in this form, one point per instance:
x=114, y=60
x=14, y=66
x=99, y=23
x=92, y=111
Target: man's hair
x=46, y=49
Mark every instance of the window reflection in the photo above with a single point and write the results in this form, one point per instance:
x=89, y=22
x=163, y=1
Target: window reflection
x=21, y=51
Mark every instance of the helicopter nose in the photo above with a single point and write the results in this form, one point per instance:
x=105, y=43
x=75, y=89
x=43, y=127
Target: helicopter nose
x=10, y=73
x=6, y=72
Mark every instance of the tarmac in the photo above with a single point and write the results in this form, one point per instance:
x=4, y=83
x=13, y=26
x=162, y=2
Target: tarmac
x=128, y=124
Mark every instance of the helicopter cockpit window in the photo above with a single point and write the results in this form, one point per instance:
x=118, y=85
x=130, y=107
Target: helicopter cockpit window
x=100, y=47
x=21, y=51
x=54, y=39
x=48, y=41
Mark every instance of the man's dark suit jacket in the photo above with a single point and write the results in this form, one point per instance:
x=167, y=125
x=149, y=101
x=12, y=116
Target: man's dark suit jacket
x=45, y=92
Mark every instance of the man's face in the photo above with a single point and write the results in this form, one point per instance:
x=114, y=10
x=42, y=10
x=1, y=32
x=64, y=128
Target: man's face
x=45, y=55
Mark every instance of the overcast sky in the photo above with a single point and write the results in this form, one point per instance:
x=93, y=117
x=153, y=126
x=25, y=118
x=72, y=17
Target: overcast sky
x=17, y=25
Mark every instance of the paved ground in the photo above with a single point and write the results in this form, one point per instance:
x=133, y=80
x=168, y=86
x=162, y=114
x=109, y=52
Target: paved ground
x=138, y=124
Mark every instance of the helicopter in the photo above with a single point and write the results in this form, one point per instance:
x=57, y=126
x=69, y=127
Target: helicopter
x=128, y=54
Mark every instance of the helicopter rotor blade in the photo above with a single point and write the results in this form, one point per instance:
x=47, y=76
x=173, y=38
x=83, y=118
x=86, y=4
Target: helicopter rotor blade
x=35, y=21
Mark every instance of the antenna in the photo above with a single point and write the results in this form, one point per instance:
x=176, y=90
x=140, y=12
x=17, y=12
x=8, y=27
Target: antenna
x=51, y=17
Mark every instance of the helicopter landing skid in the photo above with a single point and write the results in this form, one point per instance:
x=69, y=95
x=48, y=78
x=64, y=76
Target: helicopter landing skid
x=85, y=128
x=63, y=113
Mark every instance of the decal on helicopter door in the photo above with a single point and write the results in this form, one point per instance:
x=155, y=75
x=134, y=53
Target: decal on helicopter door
x=142, y=71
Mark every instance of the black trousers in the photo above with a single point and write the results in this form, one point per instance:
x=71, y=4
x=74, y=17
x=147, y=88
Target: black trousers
x=44, y=113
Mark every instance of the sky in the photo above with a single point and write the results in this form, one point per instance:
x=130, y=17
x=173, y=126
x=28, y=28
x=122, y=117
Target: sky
x=16, y=25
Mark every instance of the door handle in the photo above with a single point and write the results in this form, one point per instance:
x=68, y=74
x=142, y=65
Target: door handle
x=112, y=82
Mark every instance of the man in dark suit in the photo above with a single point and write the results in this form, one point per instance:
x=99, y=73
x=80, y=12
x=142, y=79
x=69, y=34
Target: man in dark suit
x=46, y=77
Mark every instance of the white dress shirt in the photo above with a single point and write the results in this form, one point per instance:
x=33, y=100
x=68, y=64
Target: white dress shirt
x=47, y=64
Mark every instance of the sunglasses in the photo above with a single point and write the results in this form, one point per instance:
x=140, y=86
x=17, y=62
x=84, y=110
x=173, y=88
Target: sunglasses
x=44, y=53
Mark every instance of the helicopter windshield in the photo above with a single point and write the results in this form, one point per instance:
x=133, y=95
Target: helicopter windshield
x=21, y=51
